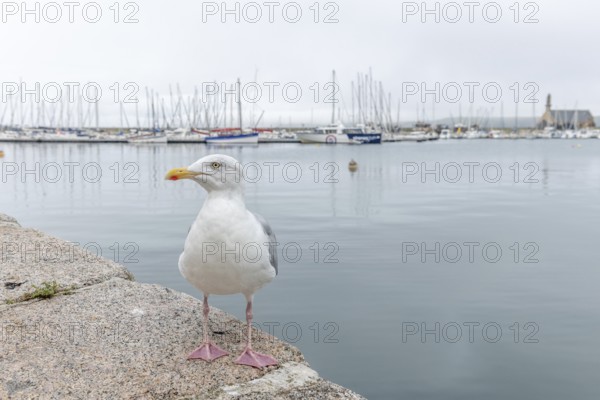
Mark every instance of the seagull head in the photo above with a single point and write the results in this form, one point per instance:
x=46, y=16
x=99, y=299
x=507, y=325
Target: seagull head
x=216, y=172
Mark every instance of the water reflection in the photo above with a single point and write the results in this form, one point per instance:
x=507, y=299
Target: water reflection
x=369, y=214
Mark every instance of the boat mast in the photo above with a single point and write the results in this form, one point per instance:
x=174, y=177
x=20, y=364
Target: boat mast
x=353, y=119
x=239, y=99
x=21, y=116
x=148, y=119
x=31, y=113
x=230, y=109
x=225, y=113
x=398, y=116
x=121, y=116
x=97, y=115
x=137, y=115
x=153, y=112
x=517, y=117
x=333, y=100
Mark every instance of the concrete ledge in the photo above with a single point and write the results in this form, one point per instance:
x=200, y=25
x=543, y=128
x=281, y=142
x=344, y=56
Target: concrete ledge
x=110, y=337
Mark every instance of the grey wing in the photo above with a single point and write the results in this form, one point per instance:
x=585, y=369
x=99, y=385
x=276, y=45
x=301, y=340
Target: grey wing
x=272, y=240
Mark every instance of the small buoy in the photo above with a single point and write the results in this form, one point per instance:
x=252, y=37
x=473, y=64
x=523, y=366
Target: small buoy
x=353, y=166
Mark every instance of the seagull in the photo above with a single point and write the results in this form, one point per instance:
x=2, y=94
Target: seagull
x=228, y=250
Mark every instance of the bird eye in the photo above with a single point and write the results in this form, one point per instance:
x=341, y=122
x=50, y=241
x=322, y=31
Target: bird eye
x=216, y=165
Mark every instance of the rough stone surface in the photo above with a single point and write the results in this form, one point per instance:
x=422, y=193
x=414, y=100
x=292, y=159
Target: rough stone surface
x=112, y=338
x=7, y=220
x=29, y=258
x=291, y=381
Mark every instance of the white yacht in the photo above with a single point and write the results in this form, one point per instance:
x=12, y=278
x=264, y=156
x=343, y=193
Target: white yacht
x=148, y=138
x=330, y=134
x=338, y=134
x=445, y=134
x=182, y=135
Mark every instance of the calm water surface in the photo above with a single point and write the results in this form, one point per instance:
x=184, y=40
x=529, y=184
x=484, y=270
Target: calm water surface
x=356, y=315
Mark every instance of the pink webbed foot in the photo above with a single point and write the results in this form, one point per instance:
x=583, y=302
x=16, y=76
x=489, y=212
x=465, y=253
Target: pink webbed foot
x=253, y=359
x=207, y=352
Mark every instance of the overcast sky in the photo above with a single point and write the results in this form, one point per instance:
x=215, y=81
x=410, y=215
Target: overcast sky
x=171, y=44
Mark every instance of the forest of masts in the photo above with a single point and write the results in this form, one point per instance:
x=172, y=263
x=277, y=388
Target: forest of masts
x=369, y=105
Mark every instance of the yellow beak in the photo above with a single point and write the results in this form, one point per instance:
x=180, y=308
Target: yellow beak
x=181, y=173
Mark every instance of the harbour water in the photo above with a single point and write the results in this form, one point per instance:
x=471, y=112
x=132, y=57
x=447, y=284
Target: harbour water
x=497, y=244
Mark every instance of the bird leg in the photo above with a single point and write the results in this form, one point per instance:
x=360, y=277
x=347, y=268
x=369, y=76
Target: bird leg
x=208, y=351
x=250, y=357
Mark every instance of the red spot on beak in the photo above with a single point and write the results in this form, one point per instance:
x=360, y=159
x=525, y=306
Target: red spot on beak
x=174, y=178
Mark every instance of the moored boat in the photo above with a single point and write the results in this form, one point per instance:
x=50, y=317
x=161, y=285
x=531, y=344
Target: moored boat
x=415, y=136
x=187, y=136
x=318, y=137
x=338, y=134
x=361, y=136
x=233, y=138
x=150, y=138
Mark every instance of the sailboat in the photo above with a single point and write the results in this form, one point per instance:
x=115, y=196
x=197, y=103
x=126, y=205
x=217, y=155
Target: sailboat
x=233, y=135
x=337, y=133
x=152, y=137
x=182, y=135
